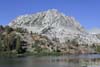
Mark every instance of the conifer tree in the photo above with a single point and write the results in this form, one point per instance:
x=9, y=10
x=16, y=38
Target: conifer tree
x=18, y=44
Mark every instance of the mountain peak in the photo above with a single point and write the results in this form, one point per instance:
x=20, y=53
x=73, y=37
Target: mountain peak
x=54, y=25
x=50, y=17
x=53, y=10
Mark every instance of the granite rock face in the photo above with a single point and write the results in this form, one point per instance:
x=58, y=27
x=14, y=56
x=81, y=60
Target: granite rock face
x=55, y=25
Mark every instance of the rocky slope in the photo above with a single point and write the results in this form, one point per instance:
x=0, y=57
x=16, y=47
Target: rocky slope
x=55, y=32
x=55, y=25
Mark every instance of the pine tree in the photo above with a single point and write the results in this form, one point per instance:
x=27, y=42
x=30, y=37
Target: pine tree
x=8, y=29
x=18, y=44
x=7, y=42
x=0, y=45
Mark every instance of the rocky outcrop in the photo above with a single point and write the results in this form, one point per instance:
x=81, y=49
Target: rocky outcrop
x=60, y=29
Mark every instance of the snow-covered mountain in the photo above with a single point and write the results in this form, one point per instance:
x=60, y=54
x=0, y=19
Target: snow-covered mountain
x=54, y=24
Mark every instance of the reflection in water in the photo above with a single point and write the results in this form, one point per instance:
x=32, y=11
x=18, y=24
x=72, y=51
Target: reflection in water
x=52, y=61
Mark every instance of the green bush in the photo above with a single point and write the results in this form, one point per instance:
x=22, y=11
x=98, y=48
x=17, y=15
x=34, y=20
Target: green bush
x=98, y=49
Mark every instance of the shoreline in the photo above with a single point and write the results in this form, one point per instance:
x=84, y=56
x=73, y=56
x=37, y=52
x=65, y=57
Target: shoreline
x=41, y=54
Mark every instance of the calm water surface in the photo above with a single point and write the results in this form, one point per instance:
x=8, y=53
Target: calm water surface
x=53, y=61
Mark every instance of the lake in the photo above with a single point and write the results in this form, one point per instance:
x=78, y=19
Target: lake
x=88, y=60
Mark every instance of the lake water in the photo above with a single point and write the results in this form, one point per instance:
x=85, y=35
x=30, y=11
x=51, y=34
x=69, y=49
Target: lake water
x=92, y=60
